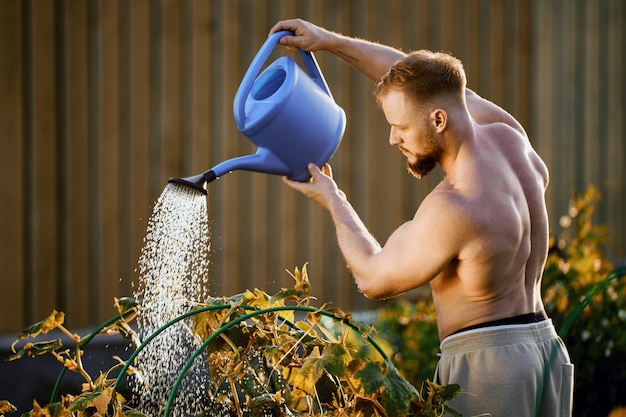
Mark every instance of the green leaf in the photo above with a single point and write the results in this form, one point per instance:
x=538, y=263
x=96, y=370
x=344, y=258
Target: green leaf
x=126, y=305
x=132, y=413
x=334, y=358
x=396, y=391
x=264, y=405
x=84, y=401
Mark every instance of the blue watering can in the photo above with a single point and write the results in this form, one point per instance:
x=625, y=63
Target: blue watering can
x=290, y=116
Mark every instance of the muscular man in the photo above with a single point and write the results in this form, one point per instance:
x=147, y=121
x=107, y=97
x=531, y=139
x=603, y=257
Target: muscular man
x=480, y=238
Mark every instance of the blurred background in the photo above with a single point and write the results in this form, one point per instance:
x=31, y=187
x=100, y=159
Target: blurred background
x=102, y=101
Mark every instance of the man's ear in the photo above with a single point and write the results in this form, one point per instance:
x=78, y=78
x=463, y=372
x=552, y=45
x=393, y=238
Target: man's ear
x=439, y=119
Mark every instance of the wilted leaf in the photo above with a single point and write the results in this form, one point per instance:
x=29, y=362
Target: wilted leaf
x=50, y=410
x=257, y=299
x=315, y=364
x=355, y=365
x=36, y=349
x=311, y=370
x=7, y=407
x=38, y=411
x=54, y=320
x=303, y=285
x=102, y=401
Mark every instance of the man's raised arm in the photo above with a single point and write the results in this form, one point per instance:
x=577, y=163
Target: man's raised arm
x=370, y=58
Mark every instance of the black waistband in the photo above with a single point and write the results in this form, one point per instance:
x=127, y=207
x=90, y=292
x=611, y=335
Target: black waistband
x=521, y=319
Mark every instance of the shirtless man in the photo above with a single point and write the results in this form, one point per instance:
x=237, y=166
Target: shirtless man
x=480, y=238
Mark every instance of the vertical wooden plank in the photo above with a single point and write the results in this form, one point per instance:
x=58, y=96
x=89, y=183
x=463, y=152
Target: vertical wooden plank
x=140, y=98
x=616, y=103
x=28, y=155
x=156, y=98
x=471, y=46
x=592, y=67
x=94, y=167
x=496, y=51
x=521, y=106
x=63, y=290
x=447, y=29
x=580, y=78
x=44, y=168
x=170, y=115
x=187, y=44
x=563, y=169
x=12, y=240
x=603, y=86
x=510, y=64
x=200, y=94
x=78, y=162
x=127, y=260
x=110, y=156
x=541, y=130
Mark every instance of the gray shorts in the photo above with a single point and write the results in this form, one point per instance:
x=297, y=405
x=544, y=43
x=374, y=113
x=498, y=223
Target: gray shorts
x=506, y=371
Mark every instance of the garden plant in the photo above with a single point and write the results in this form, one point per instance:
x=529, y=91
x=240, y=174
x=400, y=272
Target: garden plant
x=266, y=356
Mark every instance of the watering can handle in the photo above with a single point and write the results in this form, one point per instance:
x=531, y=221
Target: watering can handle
x=257, y=64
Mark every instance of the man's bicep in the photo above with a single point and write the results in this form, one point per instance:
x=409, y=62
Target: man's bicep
x=417, y=252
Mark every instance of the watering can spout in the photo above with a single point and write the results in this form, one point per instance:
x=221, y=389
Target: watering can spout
x=197, y=181
x=262, y=161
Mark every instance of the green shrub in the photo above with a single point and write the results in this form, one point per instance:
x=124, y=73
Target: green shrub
x=597, y=340
x=411, y=329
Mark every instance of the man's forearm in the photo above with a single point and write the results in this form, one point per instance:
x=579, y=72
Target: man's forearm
x=356, y=243
x=372, y=59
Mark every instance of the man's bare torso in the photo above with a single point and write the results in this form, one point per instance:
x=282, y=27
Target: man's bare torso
x=498, y=190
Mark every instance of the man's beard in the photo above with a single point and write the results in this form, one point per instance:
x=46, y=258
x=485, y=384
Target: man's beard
x=428, y=161
x=424, y=165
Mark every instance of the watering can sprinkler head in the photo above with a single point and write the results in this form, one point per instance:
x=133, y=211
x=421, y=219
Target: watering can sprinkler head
x=197, y=181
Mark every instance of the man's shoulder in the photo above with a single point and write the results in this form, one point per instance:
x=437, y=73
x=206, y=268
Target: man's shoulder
x=449, y=202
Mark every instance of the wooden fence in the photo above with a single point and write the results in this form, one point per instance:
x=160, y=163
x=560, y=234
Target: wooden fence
x=102, y=100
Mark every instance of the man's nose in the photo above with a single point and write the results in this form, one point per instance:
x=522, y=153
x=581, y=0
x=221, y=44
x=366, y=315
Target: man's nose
x=394, y=139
